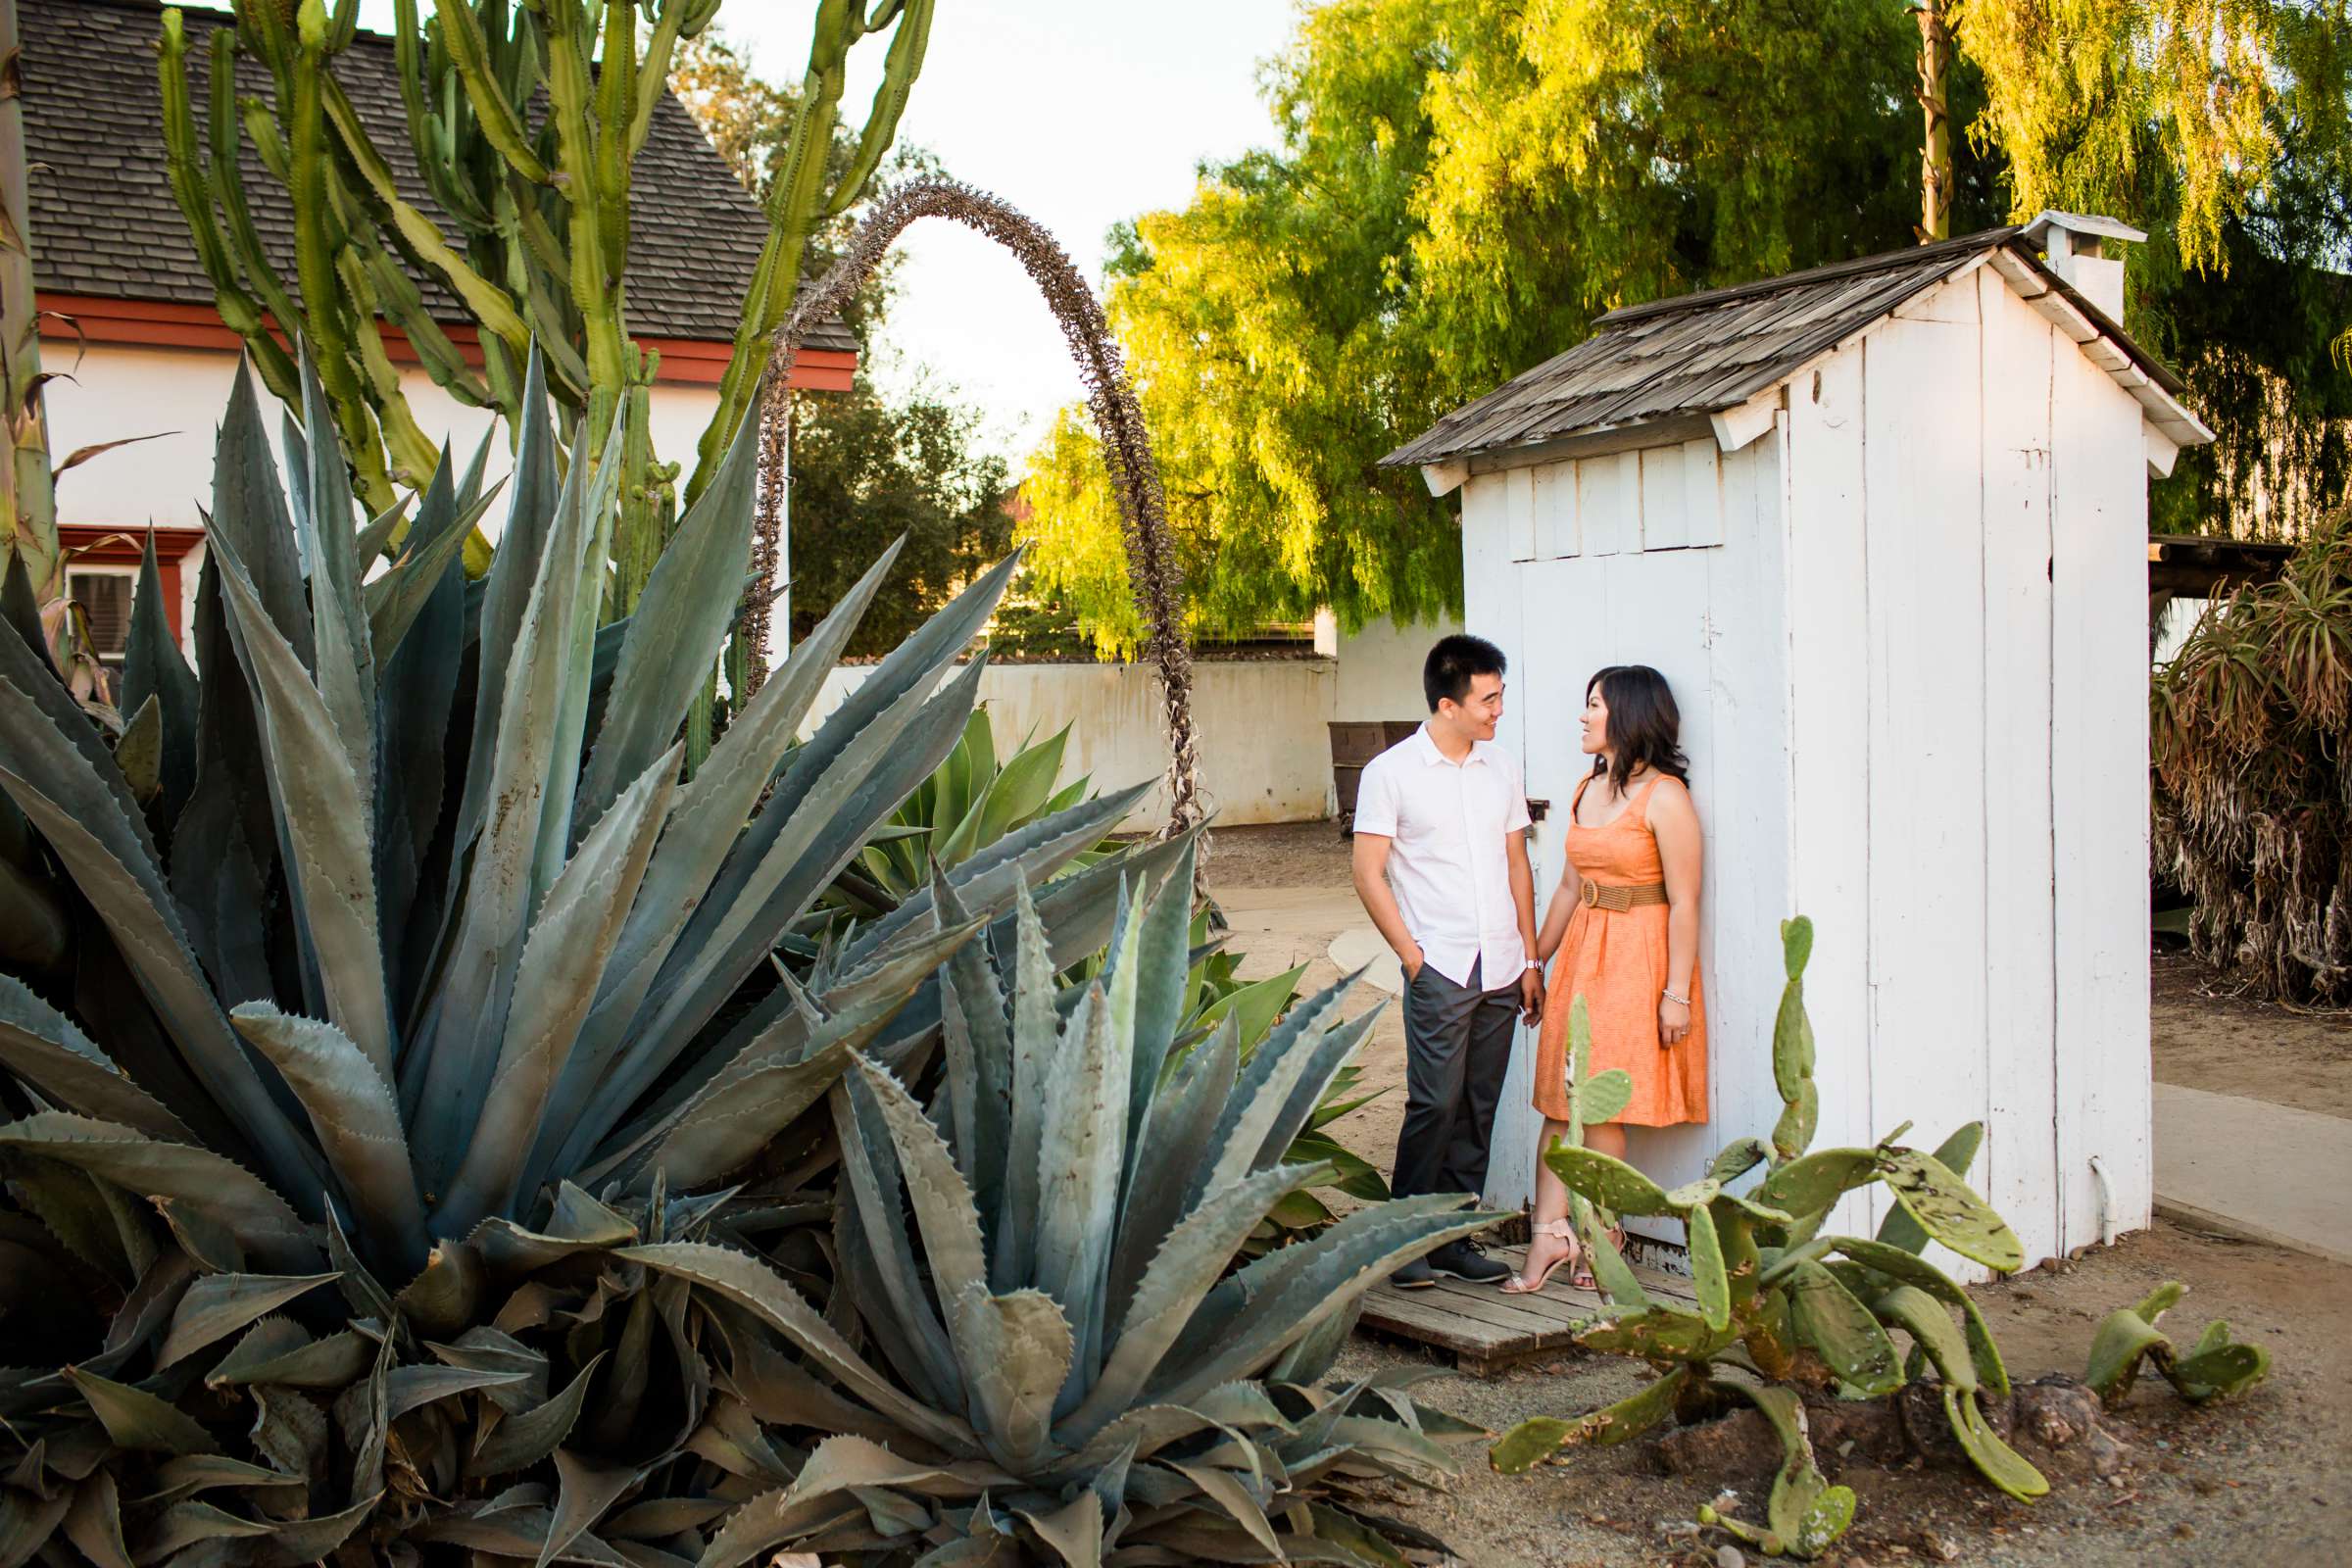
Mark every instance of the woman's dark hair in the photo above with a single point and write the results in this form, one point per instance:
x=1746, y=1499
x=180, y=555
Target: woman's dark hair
x=1645, y=725
x=1452, y=661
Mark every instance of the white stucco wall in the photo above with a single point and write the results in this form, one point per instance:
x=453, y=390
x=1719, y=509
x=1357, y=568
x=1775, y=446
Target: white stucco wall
x=1265, y=753
x=1379, y=667
x=177, y=396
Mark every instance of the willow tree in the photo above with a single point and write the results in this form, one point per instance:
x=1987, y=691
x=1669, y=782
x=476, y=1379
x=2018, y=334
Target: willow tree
x=523, y=118
x=1456, y=189
x=2224, y=127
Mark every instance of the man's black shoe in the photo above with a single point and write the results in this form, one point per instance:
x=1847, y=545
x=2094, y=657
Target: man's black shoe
x=1414, y=1276
x=1464, y=1262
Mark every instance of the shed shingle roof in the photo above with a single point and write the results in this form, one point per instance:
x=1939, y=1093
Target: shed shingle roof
x=1700, y=353
x=105, y=224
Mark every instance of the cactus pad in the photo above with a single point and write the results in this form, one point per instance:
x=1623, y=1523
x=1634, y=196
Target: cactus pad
x=1826, y=1315
x=1797, y=944
x=1602, y=1097
x=1735, y=1161
x=1792, y=1134
x=1792, y=1041
x=1948, y=1210
x=1656, y=1334
x=1994, y=1460
x=1611, y=1183
x=1957, y=1153
x=1529, y=1442
x=1707, y=1274
x=1811, y=1184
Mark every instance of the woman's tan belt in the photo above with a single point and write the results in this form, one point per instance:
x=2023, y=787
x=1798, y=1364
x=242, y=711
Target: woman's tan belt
x=1621, y=896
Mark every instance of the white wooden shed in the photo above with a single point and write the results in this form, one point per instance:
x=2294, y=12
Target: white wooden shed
x=1883, y=527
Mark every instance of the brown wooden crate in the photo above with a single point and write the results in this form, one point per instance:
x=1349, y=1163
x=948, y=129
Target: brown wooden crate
x=1355, y=743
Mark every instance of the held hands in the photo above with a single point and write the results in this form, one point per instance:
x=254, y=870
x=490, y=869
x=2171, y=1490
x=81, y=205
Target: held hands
x=1674, y=1023
x=1531, y=995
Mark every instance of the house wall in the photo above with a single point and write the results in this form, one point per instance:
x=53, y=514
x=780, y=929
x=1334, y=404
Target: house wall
x=177, y=396
x=1379, y=667
x=1264, y=755
x=1912, y=675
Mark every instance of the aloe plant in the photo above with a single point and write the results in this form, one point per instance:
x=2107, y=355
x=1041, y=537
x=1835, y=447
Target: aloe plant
x=1779, y=1301
x=407, y=998
x=1038, y=1262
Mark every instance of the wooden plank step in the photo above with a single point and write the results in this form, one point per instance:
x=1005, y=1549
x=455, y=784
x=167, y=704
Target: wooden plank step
x=1483, y=1331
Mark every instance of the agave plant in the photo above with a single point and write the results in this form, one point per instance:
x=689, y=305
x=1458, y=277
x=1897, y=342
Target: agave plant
x=2252, y=783
x=970, y=802
x=1061, y=1367
x=387, y=943
x=1778, y=1302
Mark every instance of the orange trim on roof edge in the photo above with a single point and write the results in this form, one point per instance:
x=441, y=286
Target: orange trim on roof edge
x=170, y=324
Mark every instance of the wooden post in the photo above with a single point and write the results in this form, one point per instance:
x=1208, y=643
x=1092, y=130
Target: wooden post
x=1935, y=151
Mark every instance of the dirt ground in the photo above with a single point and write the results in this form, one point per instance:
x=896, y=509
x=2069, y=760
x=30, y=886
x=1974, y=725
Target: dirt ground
x=2258, y=1049
x=2258, y=1482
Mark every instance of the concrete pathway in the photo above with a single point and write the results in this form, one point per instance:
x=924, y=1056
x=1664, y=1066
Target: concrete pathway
x=2245, y=1167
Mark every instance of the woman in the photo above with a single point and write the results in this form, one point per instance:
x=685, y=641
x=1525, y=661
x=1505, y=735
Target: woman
x=1624, y=926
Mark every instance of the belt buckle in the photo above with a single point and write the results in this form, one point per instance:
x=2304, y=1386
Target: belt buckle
x=1591, y=893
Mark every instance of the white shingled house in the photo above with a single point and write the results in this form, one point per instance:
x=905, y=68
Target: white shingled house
x=1883, y=527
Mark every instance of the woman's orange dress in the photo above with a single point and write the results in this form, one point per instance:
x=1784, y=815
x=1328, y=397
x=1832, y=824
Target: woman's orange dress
x=1616, y=959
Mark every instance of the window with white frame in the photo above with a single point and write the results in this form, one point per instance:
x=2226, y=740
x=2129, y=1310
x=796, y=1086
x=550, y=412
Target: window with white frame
x=105, y=595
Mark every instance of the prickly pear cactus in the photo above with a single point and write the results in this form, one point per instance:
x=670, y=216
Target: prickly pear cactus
x=1769, y=1285
x=2214, y=1367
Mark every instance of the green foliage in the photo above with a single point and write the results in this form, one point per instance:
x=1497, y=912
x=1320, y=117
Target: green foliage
x=1057, y=1324
x=2210, y=1369
x=1458, y=188
x=867, y=470
x=1771, y=1295
x=2225, y=129
x=391, y=937
x=2252, y=780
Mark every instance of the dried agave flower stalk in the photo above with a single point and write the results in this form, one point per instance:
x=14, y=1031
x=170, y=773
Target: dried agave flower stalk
x=1118, y=420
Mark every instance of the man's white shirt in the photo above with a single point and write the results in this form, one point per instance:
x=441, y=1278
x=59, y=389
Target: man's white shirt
x=1449, y=824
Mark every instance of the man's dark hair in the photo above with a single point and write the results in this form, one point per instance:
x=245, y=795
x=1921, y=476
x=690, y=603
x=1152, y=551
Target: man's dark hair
x=1452, y=661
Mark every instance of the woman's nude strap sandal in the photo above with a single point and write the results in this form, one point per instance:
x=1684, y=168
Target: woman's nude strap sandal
x=1562, y=1229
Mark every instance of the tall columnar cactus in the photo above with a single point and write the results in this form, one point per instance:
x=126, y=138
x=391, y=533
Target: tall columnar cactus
x=1794, y=1304
x=28, y=501
x=540, y=201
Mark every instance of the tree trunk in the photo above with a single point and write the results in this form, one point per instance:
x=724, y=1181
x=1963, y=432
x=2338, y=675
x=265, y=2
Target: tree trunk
x=1935, y=151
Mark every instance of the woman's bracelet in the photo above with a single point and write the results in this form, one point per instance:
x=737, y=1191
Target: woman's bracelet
x=1671, y=996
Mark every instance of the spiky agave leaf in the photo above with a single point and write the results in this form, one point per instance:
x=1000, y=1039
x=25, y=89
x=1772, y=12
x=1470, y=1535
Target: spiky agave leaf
x=1003, y=1322
x=443, y=944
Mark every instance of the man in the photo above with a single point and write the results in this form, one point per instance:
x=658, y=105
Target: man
x=1441, y=863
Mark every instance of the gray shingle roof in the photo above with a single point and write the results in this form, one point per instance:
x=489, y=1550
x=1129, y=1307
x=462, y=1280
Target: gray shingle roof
x=1700, y=353
x=104, y=221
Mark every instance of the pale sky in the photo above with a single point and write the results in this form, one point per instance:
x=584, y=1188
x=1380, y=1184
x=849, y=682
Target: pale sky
x=1080, y=113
